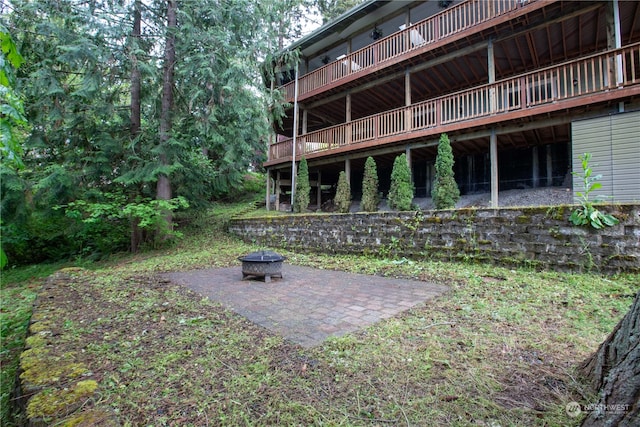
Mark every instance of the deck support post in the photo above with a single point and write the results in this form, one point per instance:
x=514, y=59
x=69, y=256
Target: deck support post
x=347, y=109
x=493, y=154
x=304, y=120
x=491, y=68
x=295, y=142
x=493, y=140
x=277, y=189
x=407, y=152
x=407, y=101
x=614, y=41
x=268, y=195
x=319, y=189
x=535, y=166
x=347, y=169
x=549, y=166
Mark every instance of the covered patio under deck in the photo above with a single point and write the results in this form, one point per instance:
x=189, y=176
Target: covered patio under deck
x=527, y=157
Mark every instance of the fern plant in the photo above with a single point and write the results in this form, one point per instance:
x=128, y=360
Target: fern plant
x=587, y=214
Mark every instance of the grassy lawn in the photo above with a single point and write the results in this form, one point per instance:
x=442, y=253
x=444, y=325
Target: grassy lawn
x=499, y=349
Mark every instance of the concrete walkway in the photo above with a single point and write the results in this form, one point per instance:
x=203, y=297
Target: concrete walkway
x=308, y=305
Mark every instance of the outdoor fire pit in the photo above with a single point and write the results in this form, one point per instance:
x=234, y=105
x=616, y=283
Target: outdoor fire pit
x=262, y=264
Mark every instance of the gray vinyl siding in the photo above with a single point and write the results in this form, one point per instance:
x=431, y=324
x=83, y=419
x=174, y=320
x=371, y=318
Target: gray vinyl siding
x=614, y=144
x=626, y=156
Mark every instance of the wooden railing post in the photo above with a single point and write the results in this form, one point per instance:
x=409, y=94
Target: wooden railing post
x=376, y=125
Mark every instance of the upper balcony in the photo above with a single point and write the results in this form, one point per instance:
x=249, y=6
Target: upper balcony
x=444, y=27
x=603, y=77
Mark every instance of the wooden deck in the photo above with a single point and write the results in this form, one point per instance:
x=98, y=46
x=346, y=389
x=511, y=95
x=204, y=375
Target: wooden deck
x=591, y=79
x=444, y=27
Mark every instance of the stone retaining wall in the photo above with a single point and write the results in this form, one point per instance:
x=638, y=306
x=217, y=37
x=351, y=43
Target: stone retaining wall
x=540, y=237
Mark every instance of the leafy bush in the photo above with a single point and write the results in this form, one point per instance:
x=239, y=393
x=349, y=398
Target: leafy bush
x=303, y=188
x=114, y=212
x=45, y=236
x=587, y=214
x=401, y=192
x=445, y=193
x=370, y=196
x=31, y=232
x=253, y=182
x=343, y=194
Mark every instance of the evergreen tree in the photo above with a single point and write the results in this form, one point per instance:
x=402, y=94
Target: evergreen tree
x=303, y=188
x=330, y=9
x=401, y=192
x=370, y=196
x=103, y=129
x=343, y=194
x=445, y=193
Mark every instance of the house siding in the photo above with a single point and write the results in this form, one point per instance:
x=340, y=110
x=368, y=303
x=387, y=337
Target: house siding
x=625, y=155
x=614, y=144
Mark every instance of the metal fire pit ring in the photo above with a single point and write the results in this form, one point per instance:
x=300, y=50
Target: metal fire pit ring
x=262, y=264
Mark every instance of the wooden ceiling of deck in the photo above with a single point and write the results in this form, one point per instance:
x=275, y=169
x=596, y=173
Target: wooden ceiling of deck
x=426, y=150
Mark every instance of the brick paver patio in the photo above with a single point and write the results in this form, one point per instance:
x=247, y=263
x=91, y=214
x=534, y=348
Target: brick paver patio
x=308, y=305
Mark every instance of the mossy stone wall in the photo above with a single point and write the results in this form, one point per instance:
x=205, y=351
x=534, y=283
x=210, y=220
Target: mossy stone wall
x=540, y=237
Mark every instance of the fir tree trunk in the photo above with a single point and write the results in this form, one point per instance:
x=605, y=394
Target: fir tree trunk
x=136, y=235
x=135, y=71
x=614, y=371
x=163, y=188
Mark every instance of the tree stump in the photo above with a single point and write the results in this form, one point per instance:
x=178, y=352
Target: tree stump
x=614, y=372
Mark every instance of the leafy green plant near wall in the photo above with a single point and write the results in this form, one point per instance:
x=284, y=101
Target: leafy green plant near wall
x=586, y=213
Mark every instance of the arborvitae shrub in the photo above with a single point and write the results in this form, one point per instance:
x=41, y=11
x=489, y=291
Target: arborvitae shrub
x=303, y=188
x=370, y=196
x=445, y=193
x=343, y=194
x=401, y=192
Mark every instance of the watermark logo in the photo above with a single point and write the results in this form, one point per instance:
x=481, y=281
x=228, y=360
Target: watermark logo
x=573, y=409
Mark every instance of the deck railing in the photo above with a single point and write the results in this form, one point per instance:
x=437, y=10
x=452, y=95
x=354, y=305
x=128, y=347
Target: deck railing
x=447, y=23
x=587, y=76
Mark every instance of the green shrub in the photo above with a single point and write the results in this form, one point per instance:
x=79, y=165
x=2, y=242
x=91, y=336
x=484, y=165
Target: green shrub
x=401, y=192
x=252, y=183
x=445, y=193
x=343, y=194
x=303, y=188
x=45, y=236
x=370, y=196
